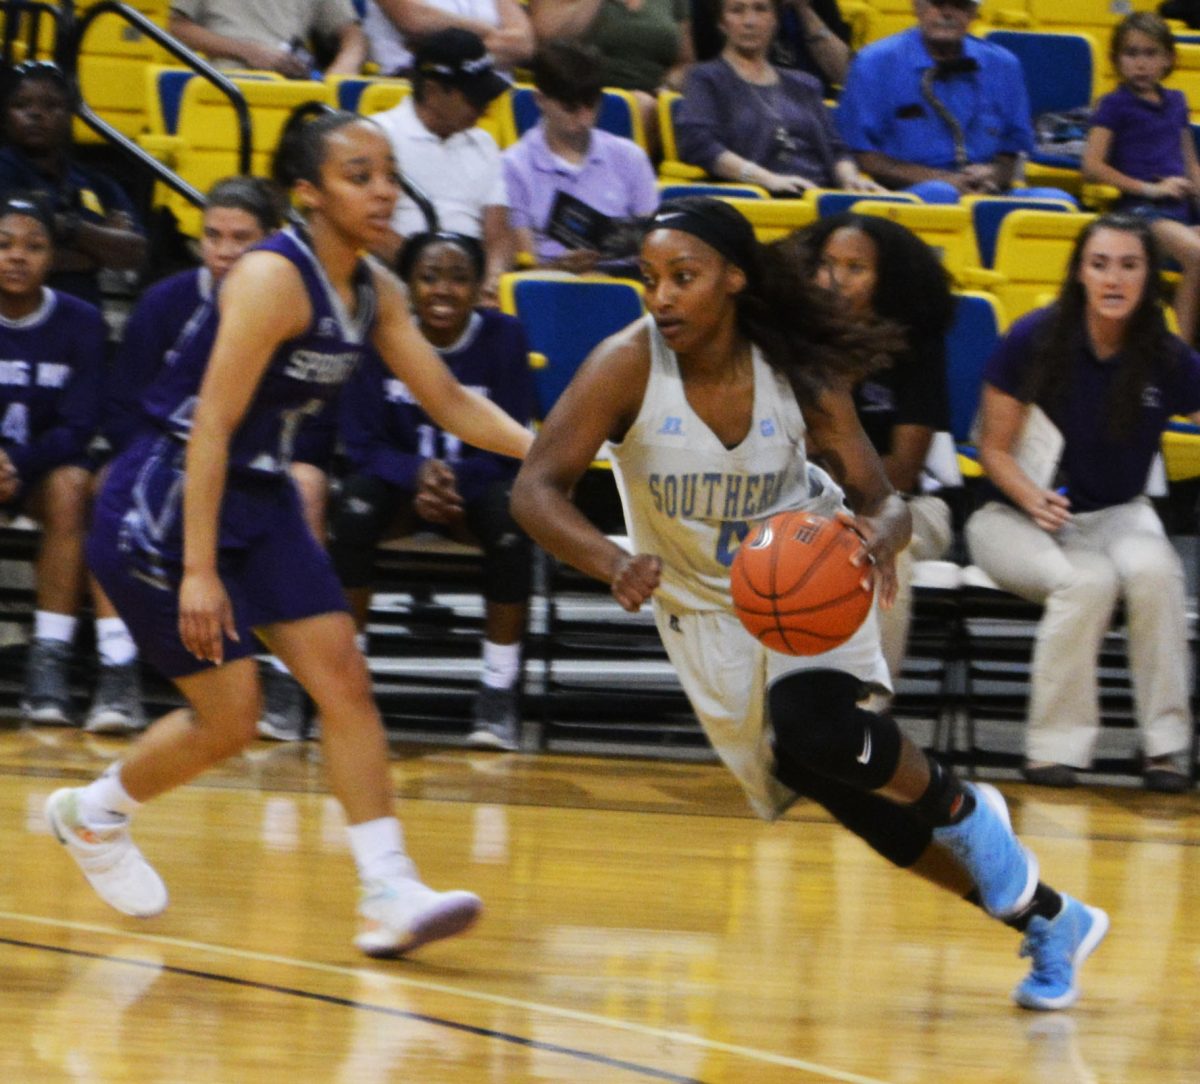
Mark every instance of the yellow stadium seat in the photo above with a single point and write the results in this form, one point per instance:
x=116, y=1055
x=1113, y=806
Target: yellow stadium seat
x=773, y=219
x=1032, y=253
x=887, y=17
x=200, y=140
x=113, y=57
x=946, y=228
x=672, y=167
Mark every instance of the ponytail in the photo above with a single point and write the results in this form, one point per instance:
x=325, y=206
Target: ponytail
x=301, y=147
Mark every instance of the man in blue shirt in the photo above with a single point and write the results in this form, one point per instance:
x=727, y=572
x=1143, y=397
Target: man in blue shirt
x=936, y=111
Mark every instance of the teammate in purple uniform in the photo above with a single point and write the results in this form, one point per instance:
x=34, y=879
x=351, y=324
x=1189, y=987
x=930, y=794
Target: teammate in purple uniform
x=409, y=475
x=200, y=541
x=52, y=346
x=241, y=211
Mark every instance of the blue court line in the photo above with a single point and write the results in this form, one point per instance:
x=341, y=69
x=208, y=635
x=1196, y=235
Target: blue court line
x=350, y=1003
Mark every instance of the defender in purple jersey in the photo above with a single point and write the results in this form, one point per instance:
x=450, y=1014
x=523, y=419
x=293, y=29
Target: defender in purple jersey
x=241, y=211
x=51, y=372
x=200, y=541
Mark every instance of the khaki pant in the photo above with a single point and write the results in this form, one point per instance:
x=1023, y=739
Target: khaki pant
x=1078, y=576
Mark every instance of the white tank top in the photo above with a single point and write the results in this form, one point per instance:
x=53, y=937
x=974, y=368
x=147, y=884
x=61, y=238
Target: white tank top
x=689, y=500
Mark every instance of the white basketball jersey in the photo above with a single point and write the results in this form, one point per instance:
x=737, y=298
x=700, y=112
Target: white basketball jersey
x=689, y=500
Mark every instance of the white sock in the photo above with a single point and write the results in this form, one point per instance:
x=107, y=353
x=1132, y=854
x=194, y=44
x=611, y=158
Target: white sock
x=378, y=849
x=106, y=801
x=52, y=626
x=114, y=645
x=501, y=664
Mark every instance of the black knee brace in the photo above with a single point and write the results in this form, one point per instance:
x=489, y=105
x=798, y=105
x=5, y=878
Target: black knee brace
x=507, y=551
x=365, y=508
x=819, y=726
x=890, y=830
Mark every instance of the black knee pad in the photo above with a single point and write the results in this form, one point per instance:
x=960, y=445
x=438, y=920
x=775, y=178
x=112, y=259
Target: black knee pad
x=892, y=831
x=364, y=508
x=819, y=725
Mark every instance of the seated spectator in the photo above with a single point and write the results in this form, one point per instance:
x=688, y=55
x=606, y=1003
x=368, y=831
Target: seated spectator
x=937, y=111
x=95, y=227
x=1075, y=532
x=646, y=44
x=566, y=153
x=50, y=387
x=743, y=119
x=409, y=475
x=878, y=268
x=812, y=37
x=439, y=146
x=390, y=25
x=1140, y=141
x=240, y=212
x=279, y=36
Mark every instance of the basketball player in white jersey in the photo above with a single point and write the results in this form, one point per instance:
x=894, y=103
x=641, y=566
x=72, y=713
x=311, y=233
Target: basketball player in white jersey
x=710, y=405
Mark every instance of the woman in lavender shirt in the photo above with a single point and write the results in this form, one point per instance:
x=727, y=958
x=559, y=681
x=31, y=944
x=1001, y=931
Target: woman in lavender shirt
x=743, y=119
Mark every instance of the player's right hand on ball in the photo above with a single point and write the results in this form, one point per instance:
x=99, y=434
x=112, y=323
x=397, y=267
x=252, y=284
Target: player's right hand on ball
x=635, y=579
x=205, y=614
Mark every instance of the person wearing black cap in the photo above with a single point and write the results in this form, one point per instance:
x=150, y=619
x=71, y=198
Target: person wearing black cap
x=711, y=404
x=438, y=145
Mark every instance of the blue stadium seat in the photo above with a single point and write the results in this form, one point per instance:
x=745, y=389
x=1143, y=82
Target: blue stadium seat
x=565, y=317
x=987, y=214
x=673, y=190
x=1060, y=73
x=835, y=202
x=979, y=322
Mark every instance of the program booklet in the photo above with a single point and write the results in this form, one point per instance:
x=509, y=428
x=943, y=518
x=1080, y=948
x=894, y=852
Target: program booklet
x=579, y=225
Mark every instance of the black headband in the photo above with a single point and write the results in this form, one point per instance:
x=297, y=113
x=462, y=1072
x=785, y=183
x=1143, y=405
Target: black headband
x=716, y=223
x=30, y=207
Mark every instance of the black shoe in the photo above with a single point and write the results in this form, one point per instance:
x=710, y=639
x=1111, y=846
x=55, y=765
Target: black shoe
x=47, y=696
x=283, y=706
x=1164, y=776
x=1050, y=775
x=495, y=719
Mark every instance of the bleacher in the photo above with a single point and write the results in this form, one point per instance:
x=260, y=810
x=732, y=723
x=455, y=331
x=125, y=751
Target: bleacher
x=594, y=676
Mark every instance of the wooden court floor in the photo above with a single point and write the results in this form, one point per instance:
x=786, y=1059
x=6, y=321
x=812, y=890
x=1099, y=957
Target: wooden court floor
x=640, y=926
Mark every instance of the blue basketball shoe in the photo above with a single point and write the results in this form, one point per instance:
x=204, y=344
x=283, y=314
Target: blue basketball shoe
x=1058, y=946
x=1005, y=872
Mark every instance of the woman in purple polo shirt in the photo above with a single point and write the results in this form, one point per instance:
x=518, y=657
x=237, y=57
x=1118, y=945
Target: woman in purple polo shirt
x=1078, y=534
x=1141, y=142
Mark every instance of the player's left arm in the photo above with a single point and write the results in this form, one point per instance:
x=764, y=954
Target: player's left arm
x=405, y=351
x=836, y=436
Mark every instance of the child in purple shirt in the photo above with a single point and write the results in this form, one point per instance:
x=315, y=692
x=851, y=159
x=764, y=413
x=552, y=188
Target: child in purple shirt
x=567, y=153
x=1141, y=143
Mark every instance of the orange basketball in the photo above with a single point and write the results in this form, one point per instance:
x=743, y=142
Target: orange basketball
x=794, y=586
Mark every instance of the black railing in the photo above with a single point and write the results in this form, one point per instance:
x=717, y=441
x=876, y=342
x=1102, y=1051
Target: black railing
x=186, y=57
x=24, y=21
